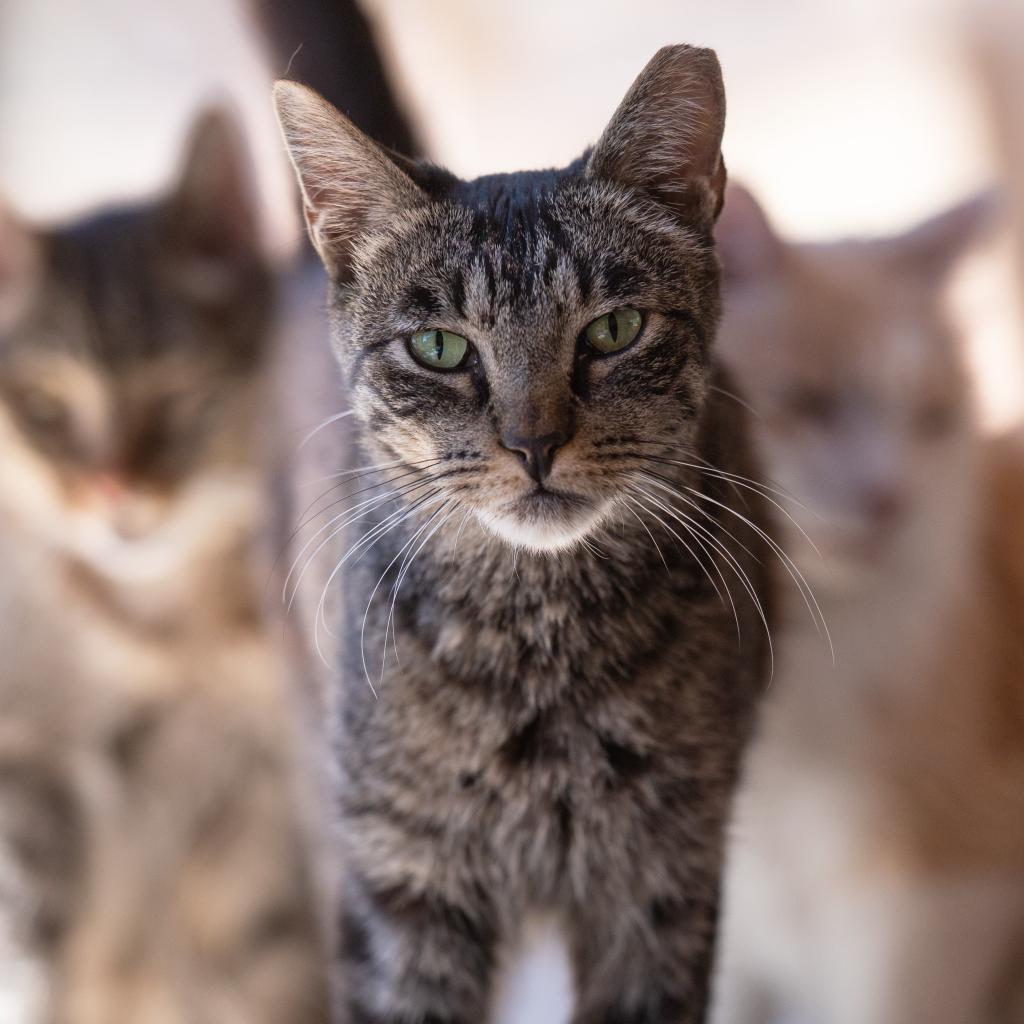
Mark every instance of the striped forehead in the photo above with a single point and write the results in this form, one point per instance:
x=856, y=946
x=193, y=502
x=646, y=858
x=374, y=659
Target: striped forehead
x=522, y=253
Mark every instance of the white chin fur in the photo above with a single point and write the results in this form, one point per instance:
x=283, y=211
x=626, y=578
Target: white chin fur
x=538, y=535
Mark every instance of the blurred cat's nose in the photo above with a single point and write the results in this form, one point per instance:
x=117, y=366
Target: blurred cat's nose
x=110, y=486
x=884, y=506
x=537, y=453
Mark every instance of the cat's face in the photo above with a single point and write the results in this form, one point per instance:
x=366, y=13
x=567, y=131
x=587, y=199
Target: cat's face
x=526, y=339
x=130, y=345
x=861, y=400
x=531, y=379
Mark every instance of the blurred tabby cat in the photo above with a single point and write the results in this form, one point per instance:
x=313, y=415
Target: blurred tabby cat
x=877, y=875
x=530, y=364
x=145, y=797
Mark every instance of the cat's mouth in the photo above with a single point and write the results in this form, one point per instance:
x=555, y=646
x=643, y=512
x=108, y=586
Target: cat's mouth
x=545, y=498
x=544, y=519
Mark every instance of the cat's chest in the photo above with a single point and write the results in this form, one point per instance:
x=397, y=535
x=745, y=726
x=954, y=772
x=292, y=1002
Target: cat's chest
x=536, y=780
x=545, y=789
x=540, y=702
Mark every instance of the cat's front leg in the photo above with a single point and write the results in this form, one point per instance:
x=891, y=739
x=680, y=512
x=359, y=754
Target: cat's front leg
x=659, y=1009
x=410, y=953
x=662, y=973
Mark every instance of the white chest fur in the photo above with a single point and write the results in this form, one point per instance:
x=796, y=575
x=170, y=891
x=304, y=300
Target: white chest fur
x=534, y=985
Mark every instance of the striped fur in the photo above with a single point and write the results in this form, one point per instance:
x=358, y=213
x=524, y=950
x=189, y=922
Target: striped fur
x=563, y=726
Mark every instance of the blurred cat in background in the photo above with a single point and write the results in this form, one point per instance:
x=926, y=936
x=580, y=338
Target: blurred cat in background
x=877, y=871
x=146, y=812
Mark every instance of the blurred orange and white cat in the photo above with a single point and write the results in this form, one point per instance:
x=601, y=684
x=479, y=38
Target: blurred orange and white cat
x=877, y=870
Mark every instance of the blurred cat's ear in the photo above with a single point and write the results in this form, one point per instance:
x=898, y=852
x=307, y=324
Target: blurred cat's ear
x=19, y=264
x=349, y=184
x=933, y=249
x=213, y=216
x=747, y=243
x=666, y=137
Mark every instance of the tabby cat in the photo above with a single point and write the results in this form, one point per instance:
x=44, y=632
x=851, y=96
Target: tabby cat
x=877, y=875
x=540, y=694
x=146, y=810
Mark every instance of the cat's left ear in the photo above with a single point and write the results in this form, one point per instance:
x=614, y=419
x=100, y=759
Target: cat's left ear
x=351, y=187
x=212, y=214
x=666, y=137
x=934, y=248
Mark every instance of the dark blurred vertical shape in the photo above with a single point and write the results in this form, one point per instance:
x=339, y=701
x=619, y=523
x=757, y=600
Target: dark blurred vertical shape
x=330, y=46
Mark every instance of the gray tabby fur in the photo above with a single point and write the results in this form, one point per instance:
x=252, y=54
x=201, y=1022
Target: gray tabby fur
x=564, y=725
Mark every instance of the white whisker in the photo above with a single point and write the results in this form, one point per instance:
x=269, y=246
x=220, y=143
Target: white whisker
x=349, y=516
x=462, y=526
x=367, y=541
x=380, y=467
x=373, y=593
x=403, y=570
x=804, y=588
x=326, y=423
x=649, y=534
x=697, y=540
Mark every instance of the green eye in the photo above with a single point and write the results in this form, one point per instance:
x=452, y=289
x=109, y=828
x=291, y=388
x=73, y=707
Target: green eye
x=439, y=350
x=614, y=331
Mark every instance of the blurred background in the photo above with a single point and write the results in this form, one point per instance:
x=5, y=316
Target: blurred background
x=851, y=117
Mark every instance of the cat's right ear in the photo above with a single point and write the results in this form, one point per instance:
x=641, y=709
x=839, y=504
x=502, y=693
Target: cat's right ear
x=748, y=246
x=933, y=249
x=349, y=184
x=19, y=266
x=665, y=140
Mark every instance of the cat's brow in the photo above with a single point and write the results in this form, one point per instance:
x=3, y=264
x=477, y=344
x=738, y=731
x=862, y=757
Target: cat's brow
x=621, y=280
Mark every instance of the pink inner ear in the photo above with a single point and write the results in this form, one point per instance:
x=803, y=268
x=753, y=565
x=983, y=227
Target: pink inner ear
x=747, y=244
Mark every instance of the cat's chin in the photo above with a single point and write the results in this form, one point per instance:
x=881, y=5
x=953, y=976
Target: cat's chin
x=544, y=528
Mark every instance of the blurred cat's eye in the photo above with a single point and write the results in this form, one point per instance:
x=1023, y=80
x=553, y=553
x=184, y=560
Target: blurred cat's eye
x=614, y=331
x=40, y=411
x=439, y=350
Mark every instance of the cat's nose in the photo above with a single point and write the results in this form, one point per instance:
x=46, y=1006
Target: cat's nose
x=537, y=453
